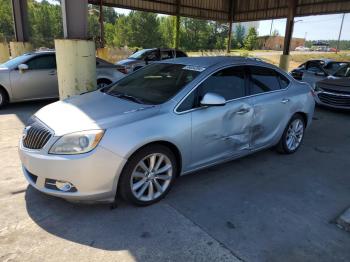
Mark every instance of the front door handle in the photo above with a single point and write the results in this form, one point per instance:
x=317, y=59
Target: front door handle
x=52, y=73
x=285, y=100
x=243, y=111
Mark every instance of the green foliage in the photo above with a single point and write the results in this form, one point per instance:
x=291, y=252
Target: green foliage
x=6, y=22
x=251, y=40
x=239, y=35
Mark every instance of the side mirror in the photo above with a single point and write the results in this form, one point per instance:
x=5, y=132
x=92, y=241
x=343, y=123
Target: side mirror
x=320, y=73
x=22, y=67
x=212, y=99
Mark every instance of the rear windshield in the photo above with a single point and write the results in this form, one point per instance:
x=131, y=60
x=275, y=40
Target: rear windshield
x=153, y=84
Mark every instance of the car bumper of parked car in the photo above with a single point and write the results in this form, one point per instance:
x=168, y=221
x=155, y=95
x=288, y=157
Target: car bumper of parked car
x=90, y=177
x=333, y=100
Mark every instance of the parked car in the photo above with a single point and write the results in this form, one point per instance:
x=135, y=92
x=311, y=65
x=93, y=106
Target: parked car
x=146, y=56
x=302, y=49
x=313, y=71
x=167, y=119
x=33, y=76
x=334, y=91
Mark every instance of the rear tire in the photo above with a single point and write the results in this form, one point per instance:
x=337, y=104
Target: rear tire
x=292, y=136
x=3, y=98
x=148, y=175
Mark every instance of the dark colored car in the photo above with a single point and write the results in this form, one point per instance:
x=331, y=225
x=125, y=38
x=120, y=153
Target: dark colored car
x=313, y=71
x=145, y=56
x=335, y=90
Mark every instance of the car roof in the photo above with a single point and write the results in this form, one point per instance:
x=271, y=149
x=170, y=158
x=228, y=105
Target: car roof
x=208, y=61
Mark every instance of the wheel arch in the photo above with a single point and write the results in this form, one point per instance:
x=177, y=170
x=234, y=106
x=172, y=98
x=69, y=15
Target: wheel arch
x=304, y=116
x=174, y=149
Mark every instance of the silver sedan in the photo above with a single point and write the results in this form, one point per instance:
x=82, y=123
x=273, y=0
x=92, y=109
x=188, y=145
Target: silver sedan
x=33, y=76
x=133, y=138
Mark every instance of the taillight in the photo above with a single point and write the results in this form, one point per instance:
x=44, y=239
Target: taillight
x=122, y=70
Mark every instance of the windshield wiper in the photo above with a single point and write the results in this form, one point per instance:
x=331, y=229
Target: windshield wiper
x=128, y=97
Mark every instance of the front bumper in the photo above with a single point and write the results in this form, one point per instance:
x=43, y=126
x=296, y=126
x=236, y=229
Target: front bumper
x=94, y=175
x=333, y=100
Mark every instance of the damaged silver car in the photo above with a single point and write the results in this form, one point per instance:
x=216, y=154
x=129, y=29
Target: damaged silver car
x=133, y=138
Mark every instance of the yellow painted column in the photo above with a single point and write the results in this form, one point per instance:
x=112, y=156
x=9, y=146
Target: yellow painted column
x=76, y=66
x=19, y=48
x=4, y=52
x=284, y=62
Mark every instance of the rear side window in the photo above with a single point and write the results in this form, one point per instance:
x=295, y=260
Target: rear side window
x=42, y=62
x=265, y=80
x=166, y=55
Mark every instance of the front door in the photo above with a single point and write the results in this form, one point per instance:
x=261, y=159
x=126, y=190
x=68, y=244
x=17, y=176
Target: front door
x=220, y=132
x=39, y=81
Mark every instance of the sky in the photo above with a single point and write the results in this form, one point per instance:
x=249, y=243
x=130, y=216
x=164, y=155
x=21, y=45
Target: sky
x=318, y=27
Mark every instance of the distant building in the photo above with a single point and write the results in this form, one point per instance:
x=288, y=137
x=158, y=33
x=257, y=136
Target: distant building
x=277, y=42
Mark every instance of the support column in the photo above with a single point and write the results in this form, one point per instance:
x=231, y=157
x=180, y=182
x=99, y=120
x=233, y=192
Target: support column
x=4, y=52
x=177, y=25
x=20, y=21
x=284, y=59
x=75, y=55
x=230, y=20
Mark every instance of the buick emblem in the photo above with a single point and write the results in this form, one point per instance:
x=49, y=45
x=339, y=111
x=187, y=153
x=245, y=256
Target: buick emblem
x=25, y=132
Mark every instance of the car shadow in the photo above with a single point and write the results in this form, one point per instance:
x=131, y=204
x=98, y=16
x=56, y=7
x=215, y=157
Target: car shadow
x=24, y=110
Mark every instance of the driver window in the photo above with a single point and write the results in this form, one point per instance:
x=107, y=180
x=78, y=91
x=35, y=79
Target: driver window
x=229, y=83
x=42, y=62
x=152, y=56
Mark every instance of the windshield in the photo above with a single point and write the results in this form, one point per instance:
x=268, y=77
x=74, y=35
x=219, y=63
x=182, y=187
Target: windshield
x=139, y=54
x=153, y=84
x=332, y=67
x=344, y=71
x=16, y=61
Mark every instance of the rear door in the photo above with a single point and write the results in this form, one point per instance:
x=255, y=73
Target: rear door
x=39, y=81
x=271, y=101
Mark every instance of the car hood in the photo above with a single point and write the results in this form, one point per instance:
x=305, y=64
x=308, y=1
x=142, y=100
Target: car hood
x=128, y=61
x=335, y=84
x=95, y=110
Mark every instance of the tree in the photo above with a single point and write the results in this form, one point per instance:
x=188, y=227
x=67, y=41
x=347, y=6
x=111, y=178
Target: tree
x=275, y=33
x=6, y=22
x=167, y=30
x=239, y=35
x=251, y=40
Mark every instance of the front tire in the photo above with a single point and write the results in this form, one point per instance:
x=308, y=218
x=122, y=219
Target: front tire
x=292, y=136
x=148, y=175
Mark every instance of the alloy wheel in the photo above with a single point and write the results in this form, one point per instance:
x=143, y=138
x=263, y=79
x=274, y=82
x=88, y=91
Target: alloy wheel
x=151, y=177
x=295, y=134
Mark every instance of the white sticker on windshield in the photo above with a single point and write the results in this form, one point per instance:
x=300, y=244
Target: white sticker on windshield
x=194, y=68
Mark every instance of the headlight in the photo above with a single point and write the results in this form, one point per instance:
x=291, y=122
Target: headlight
x=77, y=143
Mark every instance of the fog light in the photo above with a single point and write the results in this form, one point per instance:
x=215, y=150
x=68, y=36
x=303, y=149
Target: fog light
x=64, y=186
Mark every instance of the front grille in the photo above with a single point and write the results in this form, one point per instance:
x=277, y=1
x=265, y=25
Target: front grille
x=36, y=136
x=335, y=100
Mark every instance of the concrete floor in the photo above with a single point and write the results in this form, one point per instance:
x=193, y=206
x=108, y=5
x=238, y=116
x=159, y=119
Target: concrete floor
x=265, y=207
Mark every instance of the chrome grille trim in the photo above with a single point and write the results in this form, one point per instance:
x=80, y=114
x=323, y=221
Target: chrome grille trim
x=36, y=136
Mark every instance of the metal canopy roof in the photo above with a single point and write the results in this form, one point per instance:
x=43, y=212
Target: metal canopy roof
x=243, y=10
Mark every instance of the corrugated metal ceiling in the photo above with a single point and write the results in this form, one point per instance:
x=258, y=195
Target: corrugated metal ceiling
x=243, y=10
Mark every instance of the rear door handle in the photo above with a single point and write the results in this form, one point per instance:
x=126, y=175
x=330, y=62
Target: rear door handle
x=285, y=100
x=52, y=73
x=243, y=111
